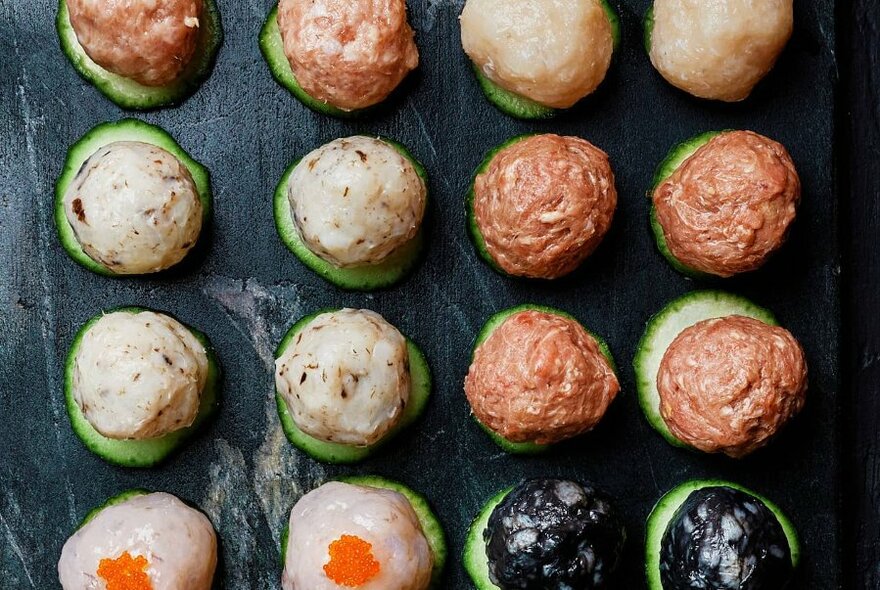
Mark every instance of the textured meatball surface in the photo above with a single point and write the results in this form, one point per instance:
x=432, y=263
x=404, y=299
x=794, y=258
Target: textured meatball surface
x=345, y=377
x=350, y=54
x=719, y=49
x=729, y=206
x=553, y=534
x=134, y=208
x=724, y=539
x=177, y=542
x=148, y=41
x=139, y=375
x=729, y=385
x=554, y=52
x=541, y=378
x=544, y=203
x=356, y=201
x=383, y=518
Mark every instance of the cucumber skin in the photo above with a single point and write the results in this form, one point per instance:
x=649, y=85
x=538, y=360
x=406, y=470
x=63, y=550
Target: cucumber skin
x=429, y=522
x=337, y=453
x=528, y=448
x=140, y=453
x=149, y=97
x=520, y=107
x=513, y=105
x=366, y=278
x=677, y=156
x=473, y=228
x=272, y=48
x=105, y=134
x=648, y=28
x=646, y=385
x=474, y=558
x=665, y=508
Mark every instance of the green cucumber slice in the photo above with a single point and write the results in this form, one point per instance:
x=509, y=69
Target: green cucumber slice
x=364, y=278
x=476, y=562
x=520, y=107
x=272, y=47
x=527, y=448
x=429, y=522
x=665, y=326
x=473, y=228
x=328, y=452
x=511, y=104
x=138, y=453
x=648, y=27
x=98, y=137
x=665, y=509
x=129, y=94
x=677, y=156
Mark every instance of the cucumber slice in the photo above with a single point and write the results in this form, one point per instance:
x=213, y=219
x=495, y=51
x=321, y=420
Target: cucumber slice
x=511, y=104
x=129, y=94
x=476, y=562
x=272, y=47
x=520, y=107
x=527, y=448
x=328, y=452
x=473, y=227
x=138, y=453
x=429, y=522
x=117, y=499
x=363, y=278
x=665, y=326
x=98, y=137
x=677, y=156
x=665, y=509
x=648, y=27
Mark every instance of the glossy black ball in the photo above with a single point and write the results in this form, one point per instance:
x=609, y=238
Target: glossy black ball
x=724, y=539
x=553, y=534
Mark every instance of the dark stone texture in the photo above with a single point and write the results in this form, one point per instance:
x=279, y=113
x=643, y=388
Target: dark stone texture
x=859, y=145
x=245, y=289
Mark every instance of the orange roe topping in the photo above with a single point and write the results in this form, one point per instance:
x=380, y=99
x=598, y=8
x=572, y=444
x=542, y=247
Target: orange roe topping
x=351, y=562
x=125, y=573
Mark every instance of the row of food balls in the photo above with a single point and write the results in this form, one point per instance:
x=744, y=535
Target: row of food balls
x=714, y=371
x=131, y=201
x=532, y=58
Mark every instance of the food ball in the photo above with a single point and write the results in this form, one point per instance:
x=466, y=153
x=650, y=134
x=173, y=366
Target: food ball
x=554, y=52
x=543, y=204
x=356, y=201
x=553, y=533
x=540, y=377
x=134, y=208
x=344, y=535
x=725, y=539
x=150, y=540
x=719, y=49
x=728, y=385
x=148, y=41
x=729, y=206
x=350, y=54
x=139, y=375
x=346, y=379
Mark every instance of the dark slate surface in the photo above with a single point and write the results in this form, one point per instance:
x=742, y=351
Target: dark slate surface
x=245, y=289
x=861, y=145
